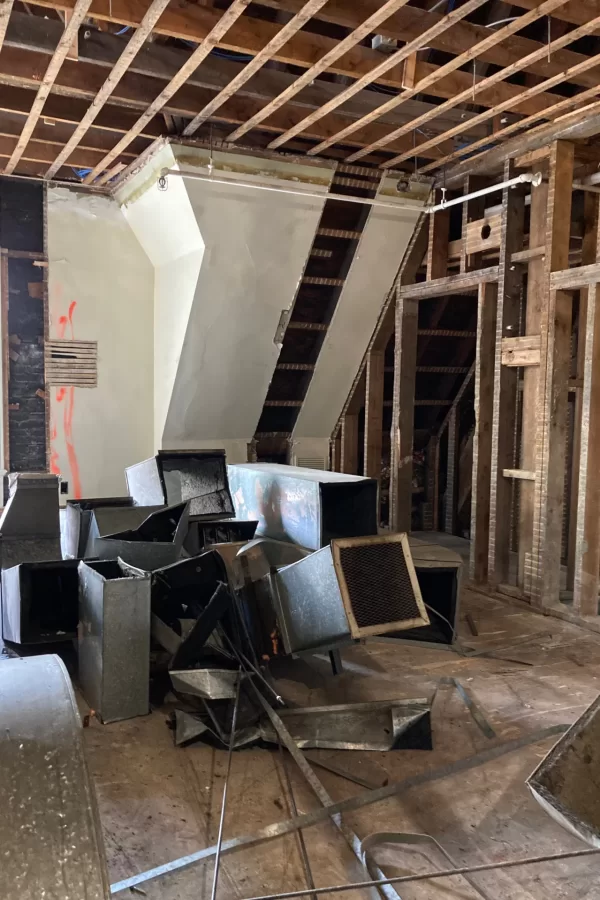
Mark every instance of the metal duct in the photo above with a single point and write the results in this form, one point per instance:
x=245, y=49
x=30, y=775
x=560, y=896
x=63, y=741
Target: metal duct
x=567, y=782
x=355, y=588
x=308, y=507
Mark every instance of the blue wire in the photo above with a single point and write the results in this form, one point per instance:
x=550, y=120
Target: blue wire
x=81, y=173
x=124, y=29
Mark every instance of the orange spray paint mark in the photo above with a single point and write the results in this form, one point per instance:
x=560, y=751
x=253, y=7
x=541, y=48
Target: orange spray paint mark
x=67, y=393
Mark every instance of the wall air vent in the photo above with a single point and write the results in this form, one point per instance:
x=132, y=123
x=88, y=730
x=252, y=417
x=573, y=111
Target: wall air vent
x=311, y=462
x=73, y=363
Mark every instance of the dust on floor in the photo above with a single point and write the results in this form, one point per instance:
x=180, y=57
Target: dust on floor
x=159, y=802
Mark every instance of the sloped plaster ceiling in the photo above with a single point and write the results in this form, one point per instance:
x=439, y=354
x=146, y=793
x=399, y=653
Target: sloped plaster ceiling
x=370, y=278
x=228, y=260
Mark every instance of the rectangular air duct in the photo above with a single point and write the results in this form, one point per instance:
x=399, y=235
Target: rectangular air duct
x=40, y=602
x=354, y=588
x=308, y=507
x=175, y=476
x=114, y=639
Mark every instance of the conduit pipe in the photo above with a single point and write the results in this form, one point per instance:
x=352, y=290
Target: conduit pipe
x=525, y=178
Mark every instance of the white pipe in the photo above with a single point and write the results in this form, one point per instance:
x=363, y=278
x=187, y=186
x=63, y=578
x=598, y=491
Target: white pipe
x=259, y=186
x=526, y=178
x=581, y=186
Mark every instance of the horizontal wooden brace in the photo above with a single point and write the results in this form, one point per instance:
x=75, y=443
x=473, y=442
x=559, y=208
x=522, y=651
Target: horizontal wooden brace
x=573, y=279
x=464, y=283
x=519, y=474
x=521, y=351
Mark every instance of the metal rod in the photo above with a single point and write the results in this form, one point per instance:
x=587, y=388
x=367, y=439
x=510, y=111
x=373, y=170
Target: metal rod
x=524, y=178
x=423, y=876
x=225, y=786
x=582, y=186
x=306, y=820
x=259, y=186
x=527, y=177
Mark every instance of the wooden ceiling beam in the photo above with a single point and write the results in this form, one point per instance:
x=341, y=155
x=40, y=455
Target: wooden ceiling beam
x=409, y=22
x=462, y=59
x=132, y=48
x=58, y=134
x=29, y=38
x=42, y=151
x=577, y=12
x=360, y=31
x=64, y=45
x=265, y=55
x=81, y=81
x=398, y=57
x=194, y=23
x=70, y=110
x=588, y=64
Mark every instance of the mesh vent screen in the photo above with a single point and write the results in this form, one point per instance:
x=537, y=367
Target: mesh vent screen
x=378, y=584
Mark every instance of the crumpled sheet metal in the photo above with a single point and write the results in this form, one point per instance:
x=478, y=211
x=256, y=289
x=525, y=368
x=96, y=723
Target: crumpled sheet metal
x=210, y=684
x=566, y=784
x=191, y=726
x=383, y=725
x=50, y=832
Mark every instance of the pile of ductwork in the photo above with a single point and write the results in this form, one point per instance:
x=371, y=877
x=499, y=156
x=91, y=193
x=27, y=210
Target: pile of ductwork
x=191, y=585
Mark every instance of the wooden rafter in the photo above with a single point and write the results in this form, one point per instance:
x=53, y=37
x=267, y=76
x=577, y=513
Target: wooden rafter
x=357, y=35
x=424, y=84
x=155, y=10
x=267, y=53
x=221, y=27
x=64, y=45
x=394, y=60
x=586, y=65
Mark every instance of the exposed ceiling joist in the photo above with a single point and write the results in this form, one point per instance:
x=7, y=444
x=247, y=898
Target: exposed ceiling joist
x=395, y=59
x=79, y=13
x=587, y=65
x=132, y=48
x=263, y=56
x=462, y=59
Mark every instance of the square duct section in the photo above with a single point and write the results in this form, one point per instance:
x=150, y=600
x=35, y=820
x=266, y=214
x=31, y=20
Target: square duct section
x=352, y=589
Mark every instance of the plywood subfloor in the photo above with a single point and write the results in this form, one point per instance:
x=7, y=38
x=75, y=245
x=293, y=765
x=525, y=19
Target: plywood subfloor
x=158, y=802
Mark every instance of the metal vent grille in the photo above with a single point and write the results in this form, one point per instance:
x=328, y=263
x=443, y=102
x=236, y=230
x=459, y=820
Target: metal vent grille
x=72, y=363
x=378, y=584
x=311, y=462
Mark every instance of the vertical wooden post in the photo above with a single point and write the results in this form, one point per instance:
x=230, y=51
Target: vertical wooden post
x=587, y=550
x=403, y=411
x=471, y=210
x=405, y=374
x=437, y=248
x=452, y=471
x=336, y=452
x=505, y=380
x=555, y=355
x=588, y=255
x=349, y=461
x=482, y=437
x=430, y=484
x=535, y=299
x=374, y=412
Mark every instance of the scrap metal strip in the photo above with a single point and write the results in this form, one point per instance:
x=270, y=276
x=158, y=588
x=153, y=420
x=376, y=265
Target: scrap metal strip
x=288, y=826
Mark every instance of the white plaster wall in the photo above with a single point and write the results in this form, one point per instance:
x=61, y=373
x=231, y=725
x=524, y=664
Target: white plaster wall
x=165, y=225
x=97, y=263
x=371, y=276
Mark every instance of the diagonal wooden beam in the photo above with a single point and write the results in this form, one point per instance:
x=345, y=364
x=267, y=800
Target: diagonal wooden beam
x=227, y=19
x=359, y=33
x=522, y=124
x=584, y=66
x=155, y=10
x=64, y=45
x=267, y=53
x=410, y=21
x=468, y=56
x=5, y=11
x=394, y=60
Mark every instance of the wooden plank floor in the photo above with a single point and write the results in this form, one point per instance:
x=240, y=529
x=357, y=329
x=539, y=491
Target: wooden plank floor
x=158, y=802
